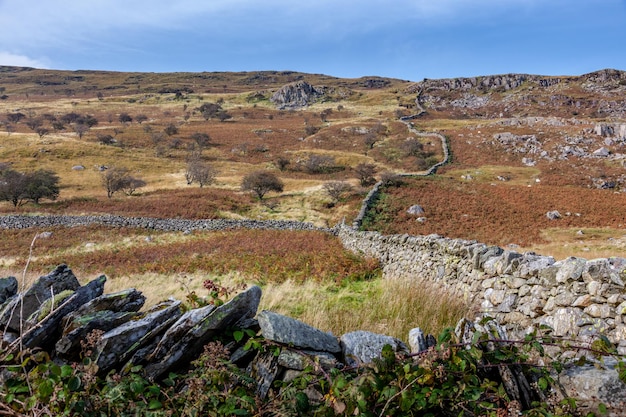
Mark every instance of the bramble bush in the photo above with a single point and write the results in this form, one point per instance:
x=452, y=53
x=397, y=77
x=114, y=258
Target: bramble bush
x=452, y=378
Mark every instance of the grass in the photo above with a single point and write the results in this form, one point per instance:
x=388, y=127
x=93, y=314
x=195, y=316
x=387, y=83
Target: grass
x=391, y=307
x=307, y=275
x=499, y=214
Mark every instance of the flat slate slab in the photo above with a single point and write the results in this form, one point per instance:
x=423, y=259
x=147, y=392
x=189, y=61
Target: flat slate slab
x=289, y=331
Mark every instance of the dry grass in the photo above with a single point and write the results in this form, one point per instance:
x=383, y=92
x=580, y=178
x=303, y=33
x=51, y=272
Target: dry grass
x=260, y=255
x=391, y=307
x=500, y=214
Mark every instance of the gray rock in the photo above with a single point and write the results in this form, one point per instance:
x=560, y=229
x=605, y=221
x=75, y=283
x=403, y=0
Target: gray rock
x=199, y=328
x=178, y=330
x=553, y=215
x=601, y=152
x=361, y=347
x=571, y=269
x=264, y=368
x=289, y=331
x=8, y=288
x=592, y=385
x=416, y=210
x=68, y=346
x=420, y=342
x=46, y=331
x=57, y=281
x=601, y=270
x=103, y=313
x=117, y=345
x=299, y=360
x=126, y=300
x=564, y=321
x=531, y=264
x=295, y=95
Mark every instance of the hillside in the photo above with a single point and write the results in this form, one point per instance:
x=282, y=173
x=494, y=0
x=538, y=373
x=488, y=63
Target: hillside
x=522, y=145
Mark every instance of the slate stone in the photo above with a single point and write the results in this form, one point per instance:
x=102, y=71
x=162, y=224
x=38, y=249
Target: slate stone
x=419, y=342
x=57, y=281
x=362, y=347
x=77, y=330
x=190, y=344
x=46, y=332
x=178, y=330
x=264, y=369
x=289, y=331
x=126, y=300
x=299, y=360
x=117, y=345
x=8, y=288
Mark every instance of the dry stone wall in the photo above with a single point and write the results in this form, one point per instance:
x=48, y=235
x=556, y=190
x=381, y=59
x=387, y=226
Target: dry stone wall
x=576, y=297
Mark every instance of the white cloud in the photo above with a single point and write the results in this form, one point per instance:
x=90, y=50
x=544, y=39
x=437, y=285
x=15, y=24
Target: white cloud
x=10, y=59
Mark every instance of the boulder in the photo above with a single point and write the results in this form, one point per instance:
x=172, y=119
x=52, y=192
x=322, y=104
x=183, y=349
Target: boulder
x=416, y=210
x=299, y=360
x=601, y=152
x=289, y=331
x=553, y=215
x=420, y=342
x=571, y=269
x=361, y=347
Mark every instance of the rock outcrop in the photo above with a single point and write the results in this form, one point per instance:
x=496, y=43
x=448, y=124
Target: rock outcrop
x=296, y=95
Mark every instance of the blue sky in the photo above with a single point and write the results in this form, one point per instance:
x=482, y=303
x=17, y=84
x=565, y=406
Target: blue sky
x=406, y=39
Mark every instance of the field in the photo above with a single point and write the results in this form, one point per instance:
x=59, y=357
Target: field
x=517, y=153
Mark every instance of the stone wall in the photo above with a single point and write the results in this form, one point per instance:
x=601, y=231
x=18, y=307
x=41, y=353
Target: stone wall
x=169, y=225
x=576, y=297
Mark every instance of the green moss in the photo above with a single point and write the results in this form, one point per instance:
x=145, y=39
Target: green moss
x=49, y=305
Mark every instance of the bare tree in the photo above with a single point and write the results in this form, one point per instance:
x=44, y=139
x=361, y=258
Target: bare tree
x=317, y=164
x=34, y=123
x=117, y=179
x=365, y=173
x=125, y=118
x=81, y=129
x=171, y=129
x=370, y=140
x=42, y=131
x=130, y=185
x=412, y=147
x=105, y=139
x=200, y=171
x=261, y=182
x=337, y=189
x=15, y=117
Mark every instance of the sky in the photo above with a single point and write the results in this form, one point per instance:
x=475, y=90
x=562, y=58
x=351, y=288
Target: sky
x=405, y=39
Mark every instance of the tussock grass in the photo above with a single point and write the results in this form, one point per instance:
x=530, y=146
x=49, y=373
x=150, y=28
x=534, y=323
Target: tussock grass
x=391, y=307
